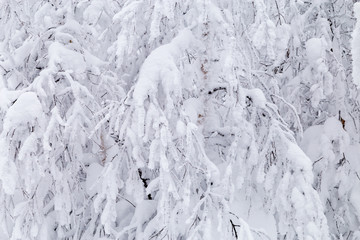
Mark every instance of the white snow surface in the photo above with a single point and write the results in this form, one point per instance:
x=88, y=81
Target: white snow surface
x=192, y=126
x=67, y=59
x=256, y=96
x=315, y=49
x=160, y=68
x=355, y=46
x=26, y=109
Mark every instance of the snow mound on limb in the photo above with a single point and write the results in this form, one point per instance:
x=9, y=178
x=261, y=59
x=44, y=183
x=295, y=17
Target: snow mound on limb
x=315, y=49
x=160, y=67
x=314, y=136
x=193, y=109
x=8, y=173
x=301, y=162
x=159, y=75
x=304, y=204
x=26, y=111
x=68, y=59
x=255, y=97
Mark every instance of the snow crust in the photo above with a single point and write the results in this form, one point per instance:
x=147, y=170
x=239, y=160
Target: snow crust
x=314, y=50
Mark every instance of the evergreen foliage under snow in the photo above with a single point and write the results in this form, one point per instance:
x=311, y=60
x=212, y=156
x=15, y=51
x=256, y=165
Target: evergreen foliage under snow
x=179, y=119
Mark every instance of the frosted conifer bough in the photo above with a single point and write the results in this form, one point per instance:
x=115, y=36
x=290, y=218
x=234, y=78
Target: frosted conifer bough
x=169, y=119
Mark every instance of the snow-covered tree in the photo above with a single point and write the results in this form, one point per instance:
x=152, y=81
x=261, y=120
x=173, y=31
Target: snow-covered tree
x=200, y=145
x=51, y=87
x=178, y=119
x=355, y=47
